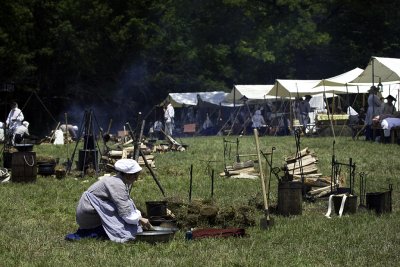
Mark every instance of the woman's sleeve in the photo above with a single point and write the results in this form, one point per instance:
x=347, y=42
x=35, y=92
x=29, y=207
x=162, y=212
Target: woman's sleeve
x=133, y=218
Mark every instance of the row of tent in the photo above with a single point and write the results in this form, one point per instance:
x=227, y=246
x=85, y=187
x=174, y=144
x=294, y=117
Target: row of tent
x=381, y=71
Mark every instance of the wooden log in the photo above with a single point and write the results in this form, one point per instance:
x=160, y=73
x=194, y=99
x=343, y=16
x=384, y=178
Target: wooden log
x=322, y=189
x=306, y=170
x=115, y=153
x=315, y=182
x=304, y=161
x=324, y=193
x=302, y=153
x=242, y=165
x=310, y=175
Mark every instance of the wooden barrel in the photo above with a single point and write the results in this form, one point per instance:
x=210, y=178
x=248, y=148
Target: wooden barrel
x=7, y=159
x=23, y=167
x=290, y=198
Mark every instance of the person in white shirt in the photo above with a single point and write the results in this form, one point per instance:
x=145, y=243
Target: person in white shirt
x=169, y=114
x=106, y=209
x=14, y=118
x=258, y=120
x=20, y=133
x=72, y=130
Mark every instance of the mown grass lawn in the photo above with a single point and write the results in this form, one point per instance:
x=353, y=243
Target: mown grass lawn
x=34, y=218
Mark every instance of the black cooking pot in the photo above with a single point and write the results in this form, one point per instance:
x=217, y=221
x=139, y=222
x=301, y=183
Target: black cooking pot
x=46, y=168
x=24, y=147
x=158, y=220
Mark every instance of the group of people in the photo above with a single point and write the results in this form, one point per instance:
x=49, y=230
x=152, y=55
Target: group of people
x=381, y=114
x=302, y=108
x=69, y=130
x=15, y=129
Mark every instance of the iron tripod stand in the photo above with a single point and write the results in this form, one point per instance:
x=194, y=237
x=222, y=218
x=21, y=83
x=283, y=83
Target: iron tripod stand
x=90, y=154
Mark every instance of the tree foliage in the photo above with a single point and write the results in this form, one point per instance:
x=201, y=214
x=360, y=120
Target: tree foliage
x=135, y=52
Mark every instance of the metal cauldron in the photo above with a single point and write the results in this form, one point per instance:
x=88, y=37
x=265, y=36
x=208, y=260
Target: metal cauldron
x=24, y=147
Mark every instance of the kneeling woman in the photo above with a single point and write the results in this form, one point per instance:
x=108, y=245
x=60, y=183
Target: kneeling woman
x=106, y=209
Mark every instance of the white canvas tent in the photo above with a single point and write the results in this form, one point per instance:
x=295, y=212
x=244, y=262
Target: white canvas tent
x=191, y=99
x=294, y=88
x=253, y=93
x=382, y=69
x=341, y=79
x=340, y=84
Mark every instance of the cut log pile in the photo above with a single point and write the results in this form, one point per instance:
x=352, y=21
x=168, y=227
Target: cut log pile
x=127, y=152
x=241, y=170
x=304, y=165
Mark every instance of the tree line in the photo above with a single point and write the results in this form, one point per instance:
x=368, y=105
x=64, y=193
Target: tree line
x=133, y=53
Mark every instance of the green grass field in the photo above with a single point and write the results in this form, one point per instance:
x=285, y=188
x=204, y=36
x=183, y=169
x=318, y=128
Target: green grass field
x=34, y=218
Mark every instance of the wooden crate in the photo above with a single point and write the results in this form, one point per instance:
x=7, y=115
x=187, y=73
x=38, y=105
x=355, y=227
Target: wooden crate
x=189, y=128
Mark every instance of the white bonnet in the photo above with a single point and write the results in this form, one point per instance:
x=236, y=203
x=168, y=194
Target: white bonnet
x=127, y=166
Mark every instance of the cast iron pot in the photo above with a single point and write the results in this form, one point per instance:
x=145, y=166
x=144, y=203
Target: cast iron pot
x=46, y=168
x=24, y=147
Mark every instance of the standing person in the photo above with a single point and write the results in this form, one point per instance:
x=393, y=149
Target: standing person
x=14, y=118
x=374, y=109
x=169, y=114
x=72, y=130
x=304, y=109
x=158, y=125
x=106, y=209
x=388, y=107
x=20, y=133
x=257, y=120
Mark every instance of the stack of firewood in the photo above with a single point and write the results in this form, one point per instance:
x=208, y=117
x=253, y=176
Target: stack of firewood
x=127, y=152
x=243, y=170
x=303, y=165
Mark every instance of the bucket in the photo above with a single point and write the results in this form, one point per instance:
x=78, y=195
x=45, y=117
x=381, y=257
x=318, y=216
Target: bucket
x=381, y=202
x=350, y=206
x=23, y=167
x=290, y=198
x=156, y=208
x=343, y=190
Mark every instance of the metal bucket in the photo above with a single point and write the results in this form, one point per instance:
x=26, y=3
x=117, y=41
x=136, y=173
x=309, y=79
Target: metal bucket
x=350, y=206
x=23, y=167
x=381, y=202
x=290, y=198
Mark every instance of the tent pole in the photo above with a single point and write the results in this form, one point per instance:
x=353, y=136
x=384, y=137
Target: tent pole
x=234, y=96
x=328, y=112
x=373, y=71
x=276, y=101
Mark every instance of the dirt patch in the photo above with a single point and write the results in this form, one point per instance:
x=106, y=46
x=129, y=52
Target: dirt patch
x=208, y=213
